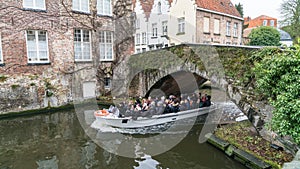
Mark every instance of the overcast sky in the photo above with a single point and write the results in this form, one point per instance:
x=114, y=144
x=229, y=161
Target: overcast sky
x=255, y=8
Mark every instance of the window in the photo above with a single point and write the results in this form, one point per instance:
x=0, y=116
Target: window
x=104, y=7
x=37, y=46
x=107, y=83
x=265, y=23
x=138, y=39
x=165, y=27
x=137, y=23
x=106, y=46
x=34, y=4
x=81, y=5
x=181, y=25
x=138, y=50
x=151, y=47
x=1, y=56
x=82, y=45
x=228, y=28
x=154, y=30
x=144, y=38
x=143, y=49
x=216, y=26
x=159, y=8
x=272, y=23
x=206, y=25
x=235, y=30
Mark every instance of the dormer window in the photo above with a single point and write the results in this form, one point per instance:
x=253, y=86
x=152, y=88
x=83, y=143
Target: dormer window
x=265, y=22
x=272, y=23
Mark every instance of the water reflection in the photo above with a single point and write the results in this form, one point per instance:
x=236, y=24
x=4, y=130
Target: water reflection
x=146, y=162
x=58, y=141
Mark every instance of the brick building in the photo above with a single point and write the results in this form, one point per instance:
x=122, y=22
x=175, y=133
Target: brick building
x=176, y=22
x=261, y=20
x=47, y=45
x=218, y=22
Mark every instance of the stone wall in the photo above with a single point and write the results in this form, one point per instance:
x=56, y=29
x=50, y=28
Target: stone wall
x=25, y=85
x=26, y=92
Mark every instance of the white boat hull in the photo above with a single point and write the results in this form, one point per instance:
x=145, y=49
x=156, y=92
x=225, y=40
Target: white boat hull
x=128, y=122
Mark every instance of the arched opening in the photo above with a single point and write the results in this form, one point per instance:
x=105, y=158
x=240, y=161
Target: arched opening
x=169, y=86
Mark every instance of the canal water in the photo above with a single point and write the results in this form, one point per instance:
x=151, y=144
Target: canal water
x=57, y=140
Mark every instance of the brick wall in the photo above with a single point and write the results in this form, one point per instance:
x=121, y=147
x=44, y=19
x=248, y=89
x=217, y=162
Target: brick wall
x=59, y=21
x=210, y=38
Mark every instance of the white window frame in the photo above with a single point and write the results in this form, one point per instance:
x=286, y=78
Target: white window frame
x=107, y=44
x=235, y=30
x=1, y=53
x=272, y=23
x=181, y=25
x=154, y=30
x=82, y=46
x=228, y=28
x=206, y=25
x=137, y=23
x=37, y=47
x=217, y=26
x=265, y=22
x=144, y=38
x=138, y=39
x=164, y=27
x=102, y=8
x=159, y=7
x=34, y=3
x=80, y=6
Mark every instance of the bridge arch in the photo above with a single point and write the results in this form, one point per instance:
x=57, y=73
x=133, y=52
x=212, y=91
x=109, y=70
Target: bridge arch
x=149, y=70
x=167, y=85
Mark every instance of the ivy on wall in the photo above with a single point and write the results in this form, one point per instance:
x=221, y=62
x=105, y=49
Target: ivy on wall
x=278, y=78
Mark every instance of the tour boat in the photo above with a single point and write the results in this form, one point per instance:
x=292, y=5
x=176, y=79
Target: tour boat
x=110, y=119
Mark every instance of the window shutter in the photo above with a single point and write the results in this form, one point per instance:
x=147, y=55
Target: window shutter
x=206, y=24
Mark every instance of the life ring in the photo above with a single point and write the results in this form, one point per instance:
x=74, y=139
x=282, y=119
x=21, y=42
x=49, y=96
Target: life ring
x=101, y=113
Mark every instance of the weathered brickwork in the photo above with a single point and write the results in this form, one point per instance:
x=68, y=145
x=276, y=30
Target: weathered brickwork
x=59, y=21
x=221, y=38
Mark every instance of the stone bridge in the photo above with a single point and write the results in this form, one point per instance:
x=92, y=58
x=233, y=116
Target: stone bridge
x=227, y=68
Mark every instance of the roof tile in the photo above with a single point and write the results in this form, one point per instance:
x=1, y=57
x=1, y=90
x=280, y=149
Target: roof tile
x=223, y=6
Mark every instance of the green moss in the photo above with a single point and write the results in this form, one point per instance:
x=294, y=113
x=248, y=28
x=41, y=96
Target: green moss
x=14, y=86
x=241, y=137
x=36, y=111
x=3, y=78
x=33, y=77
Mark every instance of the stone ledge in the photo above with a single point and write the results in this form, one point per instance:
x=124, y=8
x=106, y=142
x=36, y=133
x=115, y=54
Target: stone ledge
x=243, y=157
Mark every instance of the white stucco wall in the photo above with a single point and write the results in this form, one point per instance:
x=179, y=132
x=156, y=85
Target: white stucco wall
x=142, y=28
x=179, y=9
x=157, y=17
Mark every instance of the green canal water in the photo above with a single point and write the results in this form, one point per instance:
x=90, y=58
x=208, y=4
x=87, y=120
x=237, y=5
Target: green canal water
x=57, y=140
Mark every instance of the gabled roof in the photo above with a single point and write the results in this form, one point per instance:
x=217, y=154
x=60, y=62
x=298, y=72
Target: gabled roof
x=147, y=6
x=264, y=17
x=222, y=6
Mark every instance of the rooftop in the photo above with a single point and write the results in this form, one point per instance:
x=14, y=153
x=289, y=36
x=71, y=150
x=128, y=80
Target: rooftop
x=222, y=6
